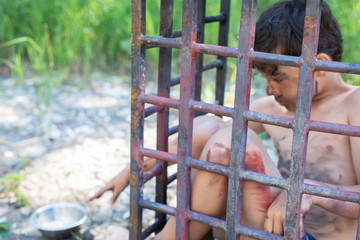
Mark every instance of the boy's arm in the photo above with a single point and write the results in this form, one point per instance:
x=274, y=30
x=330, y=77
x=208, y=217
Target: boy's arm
x=339, y=207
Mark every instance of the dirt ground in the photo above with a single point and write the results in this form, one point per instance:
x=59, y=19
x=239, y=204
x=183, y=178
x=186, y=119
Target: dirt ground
x=67, y=149
x=67, y=152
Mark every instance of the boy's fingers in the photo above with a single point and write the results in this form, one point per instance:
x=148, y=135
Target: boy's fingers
x=268, y=225
x=99, y=193
x=114, y=196
x=278, y=228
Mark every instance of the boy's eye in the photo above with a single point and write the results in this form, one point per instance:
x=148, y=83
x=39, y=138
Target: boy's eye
x=278, y=80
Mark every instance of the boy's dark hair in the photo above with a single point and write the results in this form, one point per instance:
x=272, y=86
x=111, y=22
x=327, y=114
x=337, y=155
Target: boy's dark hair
x=281, y=28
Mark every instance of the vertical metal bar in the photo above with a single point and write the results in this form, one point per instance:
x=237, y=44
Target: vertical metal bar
x=187, y=74
x=199, y=57
x=302, y=116
x=223, y=41
x=164, y=81
x=137, y=115
x=240, y=124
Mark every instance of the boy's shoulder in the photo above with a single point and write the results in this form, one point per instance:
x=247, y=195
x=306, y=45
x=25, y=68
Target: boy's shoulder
x=267, y=105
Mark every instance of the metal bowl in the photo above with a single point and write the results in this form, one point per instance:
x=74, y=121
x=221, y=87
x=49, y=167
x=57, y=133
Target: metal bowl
x=58, y=220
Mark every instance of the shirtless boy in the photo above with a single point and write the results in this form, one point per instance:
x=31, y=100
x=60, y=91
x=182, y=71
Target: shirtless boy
x=332, y=160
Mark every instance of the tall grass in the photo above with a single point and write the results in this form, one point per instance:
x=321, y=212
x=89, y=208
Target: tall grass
x=86, y=35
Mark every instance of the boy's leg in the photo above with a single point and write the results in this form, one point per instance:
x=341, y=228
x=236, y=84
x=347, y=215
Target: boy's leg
x=203, y=128
x=209, y=191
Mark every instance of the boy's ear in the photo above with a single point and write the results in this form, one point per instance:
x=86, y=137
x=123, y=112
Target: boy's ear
x=323, y=57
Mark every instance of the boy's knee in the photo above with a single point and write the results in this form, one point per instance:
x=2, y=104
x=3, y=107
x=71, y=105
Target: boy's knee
x=219, y=153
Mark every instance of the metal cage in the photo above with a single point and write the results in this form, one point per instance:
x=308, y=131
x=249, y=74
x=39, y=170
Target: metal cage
x=192, y=49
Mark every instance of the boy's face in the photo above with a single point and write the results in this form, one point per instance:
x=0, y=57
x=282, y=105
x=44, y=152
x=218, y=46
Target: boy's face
x=283, y=84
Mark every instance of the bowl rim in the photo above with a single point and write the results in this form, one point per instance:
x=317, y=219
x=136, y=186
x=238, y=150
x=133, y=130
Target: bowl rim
x=52, y=205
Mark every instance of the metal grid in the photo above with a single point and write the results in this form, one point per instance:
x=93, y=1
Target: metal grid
x=189, y=103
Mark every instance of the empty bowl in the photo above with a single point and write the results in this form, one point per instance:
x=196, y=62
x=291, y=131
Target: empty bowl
x=58, y=220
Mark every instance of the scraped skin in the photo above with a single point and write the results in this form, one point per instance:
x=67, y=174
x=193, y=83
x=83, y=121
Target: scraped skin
x=209, y=190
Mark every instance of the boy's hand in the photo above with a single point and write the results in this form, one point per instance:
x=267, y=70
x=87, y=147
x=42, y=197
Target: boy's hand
x=275, y=216
x=117, y=184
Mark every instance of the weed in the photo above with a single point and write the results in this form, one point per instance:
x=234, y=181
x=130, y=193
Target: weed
x=4, y=229
x=10, y=184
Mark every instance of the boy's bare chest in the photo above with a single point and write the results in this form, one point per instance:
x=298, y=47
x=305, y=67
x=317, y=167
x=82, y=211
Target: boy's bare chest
x=328, y=156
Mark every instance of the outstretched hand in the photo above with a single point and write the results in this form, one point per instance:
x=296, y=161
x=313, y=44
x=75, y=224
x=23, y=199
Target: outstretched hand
x=117, y=184
x=275, y=216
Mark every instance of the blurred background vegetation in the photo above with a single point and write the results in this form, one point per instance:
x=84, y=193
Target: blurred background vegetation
x=52, y=37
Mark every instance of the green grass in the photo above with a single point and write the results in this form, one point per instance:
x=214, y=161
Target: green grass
x=81, y=36
x=10, y=184
x=4, y=229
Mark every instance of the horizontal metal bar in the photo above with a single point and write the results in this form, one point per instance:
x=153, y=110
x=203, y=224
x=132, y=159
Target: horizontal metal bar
x=277, y=59
x=165, y=156
x=207, y=66
x=171, y=178
x=207, y=166
x=252, y=232
x=341, y=67
x=268, y=119
x=335, y=128
x=333, y=193
x=215, y=50
x=264, y=179
x=176, y=33
x=213, y=64
x=173, y=130
x=157, y=207
x=152, y=228
x=152, y=173
x=152, y=109
x=162, y=101
x=270, y=58
x=175, y=81
x=216, y=18
x=150, y=42
x=211, y=108
x=205, y=219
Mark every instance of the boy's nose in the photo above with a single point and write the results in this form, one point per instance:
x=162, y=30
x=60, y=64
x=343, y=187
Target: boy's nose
x=270, y=90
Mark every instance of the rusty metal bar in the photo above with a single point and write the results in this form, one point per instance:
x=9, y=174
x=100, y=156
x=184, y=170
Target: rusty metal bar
x=167, y=102
x=187, y=73
x=151, y=229
x=165, y=156
x=155, y=171
x=330, y=192
x=172, y=178
x=152, y=109
x=150, y=41
x=270, y=58
x=222, y=41
x=157, y=207
x=173, y=130
x=201, y=6
x=269, y=119
x=240, y=125
x=341, y=67
x=137, y=115
x=302, y=116
x=205, y=67
x=217, y=18
x=164, y=82
x=207, y=166
x=251, y=232
x=176, y=33
x=211, y=108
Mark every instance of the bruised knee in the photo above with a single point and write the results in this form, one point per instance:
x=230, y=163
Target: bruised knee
x=218, y=153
